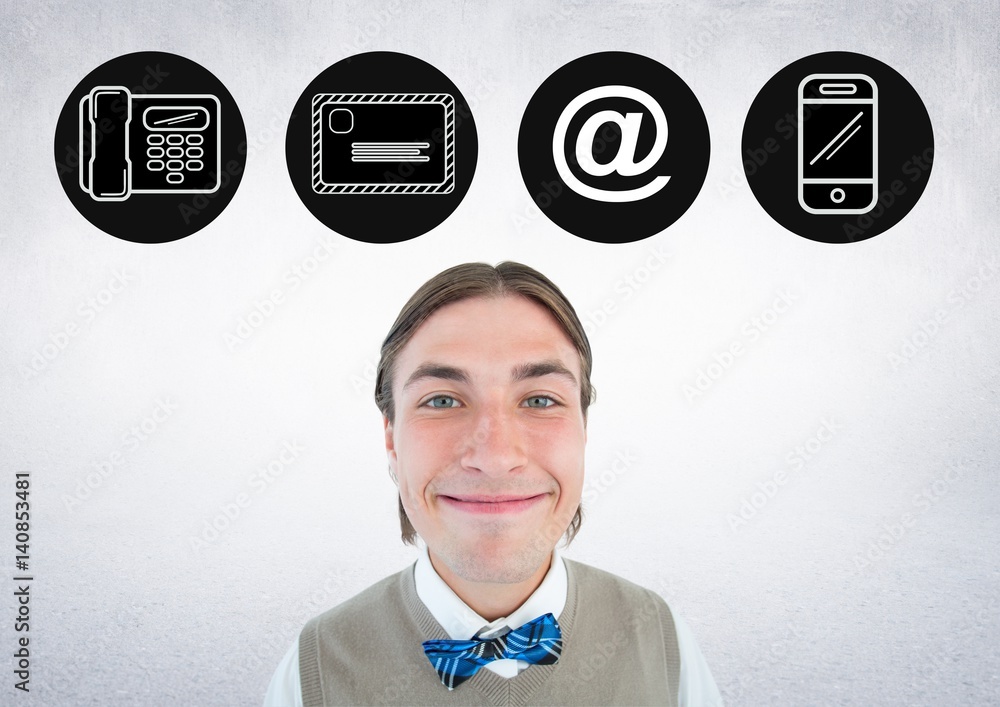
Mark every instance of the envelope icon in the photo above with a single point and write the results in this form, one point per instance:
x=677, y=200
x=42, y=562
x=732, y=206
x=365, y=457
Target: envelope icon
x=383, y=143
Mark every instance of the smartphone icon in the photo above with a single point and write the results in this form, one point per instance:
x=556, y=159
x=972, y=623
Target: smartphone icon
x=838, y=143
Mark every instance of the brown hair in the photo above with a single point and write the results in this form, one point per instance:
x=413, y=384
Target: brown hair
x=468, y=281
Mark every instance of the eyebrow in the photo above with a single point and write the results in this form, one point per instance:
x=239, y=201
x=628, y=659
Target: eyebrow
x=519, y=373
x=542, y=368
x=436, y=370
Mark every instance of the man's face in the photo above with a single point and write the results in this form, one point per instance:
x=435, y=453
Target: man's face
x=488, y=438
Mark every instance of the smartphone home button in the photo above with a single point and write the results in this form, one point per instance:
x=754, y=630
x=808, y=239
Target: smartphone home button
x=837, y=195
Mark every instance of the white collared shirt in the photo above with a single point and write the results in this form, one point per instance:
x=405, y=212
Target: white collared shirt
x=696, y=688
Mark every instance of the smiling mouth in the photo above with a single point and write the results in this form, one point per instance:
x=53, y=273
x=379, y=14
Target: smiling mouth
x=491, y=504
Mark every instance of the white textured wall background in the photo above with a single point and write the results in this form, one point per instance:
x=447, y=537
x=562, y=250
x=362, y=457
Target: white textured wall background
x=125, y=612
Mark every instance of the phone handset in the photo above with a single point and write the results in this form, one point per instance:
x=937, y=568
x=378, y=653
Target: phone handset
x=110, y=168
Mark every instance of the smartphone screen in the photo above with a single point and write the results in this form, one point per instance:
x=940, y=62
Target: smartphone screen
x=838, y=143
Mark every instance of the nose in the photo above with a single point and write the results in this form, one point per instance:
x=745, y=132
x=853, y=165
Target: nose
x=495, y=445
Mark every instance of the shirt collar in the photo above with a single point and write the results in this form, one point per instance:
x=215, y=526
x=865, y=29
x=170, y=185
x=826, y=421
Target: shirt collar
x=462, y=623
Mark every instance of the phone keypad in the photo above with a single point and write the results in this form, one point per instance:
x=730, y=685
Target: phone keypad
x=175, y=153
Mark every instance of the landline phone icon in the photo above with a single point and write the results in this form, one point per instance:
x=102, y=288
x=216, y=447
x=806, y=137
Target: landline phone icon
x=148, y=144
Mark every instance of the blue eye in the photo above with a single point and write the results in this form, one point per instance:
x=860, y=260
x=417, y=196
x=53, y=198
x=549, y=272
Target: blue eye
x=539, y=401
x=442, y=401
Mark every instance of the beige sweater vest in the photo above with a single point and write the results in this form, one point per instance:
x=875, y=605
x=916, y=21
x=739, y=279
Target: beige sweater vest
x=619, y=648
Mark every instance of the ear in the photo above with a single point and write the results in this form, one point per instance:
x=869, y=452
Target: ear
x=390, y=445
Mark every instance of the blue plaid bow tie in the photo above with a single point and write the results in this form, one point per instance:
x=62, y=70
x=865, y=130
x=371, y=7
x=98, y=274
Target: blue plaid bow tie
x=539, y=642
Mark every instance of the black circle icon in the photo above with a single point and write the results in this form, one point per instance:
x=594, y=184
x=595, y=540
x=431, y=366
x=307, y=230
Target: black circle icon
x=613, y=147
x=381, y=147
x=837, y=147
x=150, y=147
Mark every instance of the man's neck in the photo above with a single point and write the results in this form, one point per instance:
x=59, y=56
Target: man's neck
x=491, y=600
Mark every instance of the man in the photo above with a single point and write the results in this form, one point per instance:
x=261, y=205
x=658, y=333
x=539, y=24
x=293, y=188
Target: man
x=484, y=385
